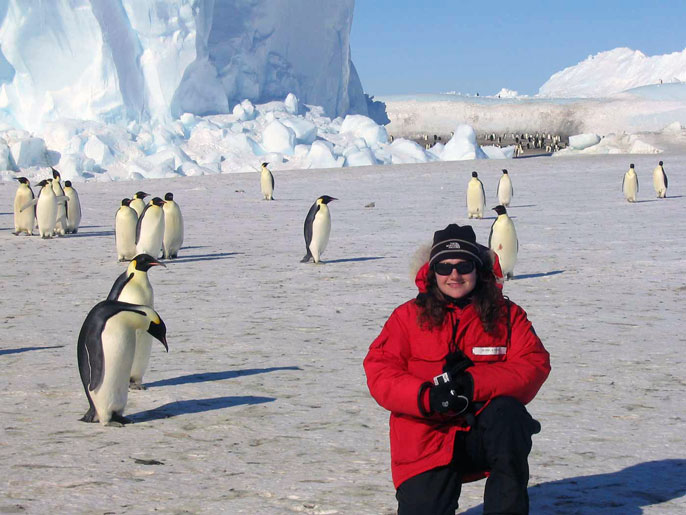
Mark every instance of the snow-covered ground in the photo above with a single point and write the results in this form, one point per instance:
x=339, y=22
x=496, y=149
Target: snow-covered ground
x=261, y=404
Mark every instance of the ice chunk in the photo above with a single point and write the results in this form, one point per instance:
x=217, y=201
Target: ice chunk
x=364, y=127
x=30, y=152
x=276, y=137
x=406, y=151
x=581, y=141
x=321, y=156
x=462, y=146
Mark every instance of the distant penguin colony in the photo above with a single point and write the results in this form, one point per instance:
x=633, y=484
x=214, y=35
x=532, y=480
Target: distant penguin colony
x=630, y=184
x=133, y=286
x=505, y=190
x=105, y=351
x=660, y=182
x=24, y=208
x=317, y=229
x=125, y=222
x=503, y=241
x=476, y=197
x=173, y=227
x=150, y=229
x=266, y=182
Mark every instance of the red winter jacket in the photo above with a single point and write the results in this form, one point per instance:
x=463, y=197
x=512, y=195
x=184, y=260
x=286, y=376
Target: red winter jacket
x=404, y=356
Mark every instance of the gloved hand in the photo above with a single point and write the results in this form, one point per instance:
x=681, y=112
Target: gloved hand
x=448, y=398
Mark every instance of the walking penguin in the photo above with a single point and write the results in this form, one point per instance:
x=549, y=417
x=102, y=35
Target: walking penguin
x=317, y=229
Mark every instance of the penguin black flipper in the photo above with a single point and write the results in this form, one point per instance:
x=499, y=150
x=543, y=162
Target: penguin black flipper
x=490, y=235
x=483, y=192
x=140, y=223
x=118, y=286
x=309, y=221
x=666, y=181
x=272, y=176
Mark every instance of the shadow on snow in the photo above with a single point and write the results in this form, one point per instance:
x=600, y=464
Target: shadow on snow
x=26, y=349
x=173, y=409
x=347, y=260
x=202, y=257
x=542, y=274
x=623, y=492
x=202, y=377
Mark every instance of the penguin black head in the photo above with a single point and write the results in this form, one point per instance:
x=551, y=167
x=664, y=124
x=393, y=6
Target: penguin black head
x=22, y=180
x=67, y=184
x=159, y=331
x=500, y=210
x=125, y=201
x=326, y=199
x=55, y=174
x=660, y=163
x=140, y=194
x=169, y=196
x=157, y=201
x=474, y=174
x=43, y=183
x=145, y=262
x=504, y=171
x=631, y=165
x=265, y=164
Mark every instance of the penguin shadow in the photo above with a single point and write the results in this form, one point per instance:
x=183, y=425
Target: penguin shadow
x=348, y=260
x=173, y=409
x=215, y=376
x=90, y=234
x=642, y=201
x=520, y=207
x=3, y=352
x=624, y=492
x=195, y=247
x=533, y=276
x=202, y=257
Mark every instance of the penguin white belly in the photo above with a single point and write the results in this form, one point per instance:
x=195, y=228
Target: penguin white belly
x=173, y=230
x=73, y=212
x=143, y=295
x=504, y=243
x=125, y=234
x=46, y=214
x=152, y=233
x=321, y=229
x=475, y=200
x=118, y=351
x=630, y=187
x=659, y=183
x=505, y=191
x=24, y=220
x=61, y=215
x=266, y=185
x=138, y=205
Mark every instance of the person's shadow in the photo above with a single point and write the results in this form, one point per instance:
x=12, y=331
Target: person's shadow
x=624, y=492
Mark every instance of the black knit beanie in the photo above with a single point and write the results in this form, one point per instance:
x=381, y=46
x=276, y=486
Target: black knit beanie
x=455, y=242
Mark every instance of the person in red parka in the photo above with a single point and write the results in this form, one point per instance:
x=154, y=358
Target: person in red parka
x=455, y=367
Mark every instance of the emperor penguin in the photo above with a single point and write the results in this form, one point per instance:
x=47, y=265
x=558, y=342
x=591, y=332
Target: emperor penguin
x=24, y=208
x=476, y=197
x=173, y=227
x=150, y=229
x=267, y=182
x=105, y=352
x=125, y=222
x=133, y=286
x=503, y=241
x=317, y=229
x=505, y=191
x=46, y=209
x=660, y=182
x=630, y=184
x=137, y=202
x=73, y=208
x=61, y=218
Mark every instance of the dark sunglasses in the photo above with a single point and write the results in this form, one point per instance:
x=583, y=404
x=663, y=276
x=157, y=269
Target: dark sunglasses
x=463, y=268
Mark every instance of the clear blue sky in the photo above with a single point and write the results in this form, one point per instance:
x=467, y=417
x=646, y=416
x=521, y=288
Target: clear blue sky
x=434, y=46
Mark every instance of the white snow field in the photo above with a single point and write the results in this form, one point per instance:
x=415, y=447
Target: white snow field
x=261, y=404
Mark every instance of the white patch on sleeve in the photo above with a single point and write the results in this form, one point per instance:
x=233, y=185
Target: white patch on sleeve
x=489, y=351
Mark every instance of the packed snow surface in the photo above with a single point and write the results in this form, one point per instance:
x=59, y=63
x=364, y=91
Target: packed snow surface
x=261, y=405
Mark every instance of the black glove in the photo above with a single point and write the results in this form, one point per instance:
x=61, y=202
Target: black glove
x=448, y=397
x=456, y=363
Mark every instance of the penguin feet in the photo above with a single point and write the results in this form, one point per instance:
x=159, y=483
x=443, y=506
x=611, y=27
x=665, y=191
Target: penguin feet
x=90, y=416
x=306, y=258
x=133, y=385
x=118, y=421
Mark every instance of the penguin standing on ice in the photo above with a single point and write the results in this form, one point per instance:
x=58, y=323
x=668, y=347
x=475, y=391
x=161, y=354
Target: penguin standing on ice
x=105, y=352
x=505, y=190
x=503, y=241
x=133, y=286
x=125, y=222
x=173, y=228
x=630, y=184
x=24, y=208
x=137, y=202
x=73, y=208
x=660, y=181
x=267, y=182
x=61, y=218
x=317, y=228
x=150, y=229
x=46, y=209
x=476, y=197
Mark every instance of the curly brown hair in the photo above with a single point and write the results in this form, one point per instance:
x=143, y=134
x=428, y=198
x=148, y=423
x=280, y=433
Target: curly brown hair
x=487, y=299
